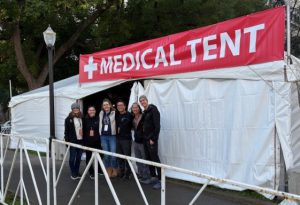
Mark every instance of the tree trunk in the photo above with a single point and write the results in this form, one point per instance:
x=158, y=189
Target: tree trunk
x=33, y=82
x=21, y=63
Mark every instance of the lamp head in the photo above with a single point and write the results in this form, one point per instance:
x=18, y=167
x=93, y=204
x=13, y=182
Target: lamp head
x=49, y=37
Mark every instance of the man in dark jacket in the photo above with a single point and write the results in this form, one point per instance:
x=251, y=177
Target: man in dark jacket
x=91, y=136
x=124, y=139
x=151, y=129
x=74, y=134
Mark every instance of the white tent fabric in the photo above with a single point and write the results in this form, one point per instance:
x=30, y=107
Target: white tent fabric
x=224, y=124
x=67, y=88
x=224, y=128
x=136, y=91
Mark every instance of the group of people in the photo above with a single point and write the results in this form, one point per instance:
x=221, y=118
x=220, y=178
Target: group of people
x=112, y=131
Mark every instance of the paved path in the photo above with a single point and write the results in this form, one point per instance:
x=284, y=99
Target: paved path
x=176, y=194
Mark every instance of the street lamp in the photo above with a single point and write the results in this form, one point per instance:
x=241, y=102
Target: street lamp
x=49, y=37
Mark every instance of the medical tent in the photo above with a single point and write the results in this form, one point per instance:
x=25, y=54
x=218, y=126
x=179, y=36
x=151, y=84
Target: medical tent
x=240, y=123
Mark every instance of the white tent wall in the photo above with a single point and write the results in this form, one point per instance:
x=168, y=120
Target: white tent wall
x=225, y=128
x=295, y=126
x=31, y=118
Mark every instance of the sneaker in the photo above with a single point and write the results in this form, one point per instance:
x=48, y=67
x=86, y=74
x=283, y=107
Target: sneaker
x=151, y=180
x=139, y=176
x=75, y=177
x=121, y=175
x=100, y=173
x=143, y=179
x=126, y=177
x=92, y=177
x=157, y=185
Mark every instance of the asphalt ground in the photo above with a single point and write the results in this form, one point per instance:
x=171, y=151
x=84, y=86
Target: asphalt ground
x=177, y=192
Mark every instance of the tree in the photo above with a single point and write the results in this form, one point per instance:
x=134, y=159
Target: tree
x=156, y=18
x=22, y=24
x=86, y=26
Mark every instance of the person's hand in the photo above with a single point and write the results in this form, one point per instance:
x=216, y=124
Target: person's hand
x=152, y=142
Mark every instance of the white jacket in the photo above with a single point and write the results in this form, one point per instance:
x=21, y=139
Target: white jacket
x=112, y=117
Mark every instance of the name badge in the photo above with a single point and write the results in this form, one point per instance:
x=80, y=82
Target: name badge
x=91, y=133
x=105, y=128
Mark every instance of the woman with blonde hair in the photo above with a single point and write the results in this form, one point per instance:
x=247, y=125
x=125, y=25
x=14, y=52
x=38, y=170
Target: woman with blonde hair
x=107, y=130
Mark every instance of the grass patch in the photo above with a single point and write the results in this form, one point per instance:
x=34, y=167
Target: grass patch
x=10, y=198
x=247, y=193
x=31, y=153
x=34, y=153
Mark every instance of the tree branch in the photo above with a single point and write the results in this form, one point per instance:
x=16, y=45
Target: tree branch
x=72, y=40
x=39, y=51
x=22, y=67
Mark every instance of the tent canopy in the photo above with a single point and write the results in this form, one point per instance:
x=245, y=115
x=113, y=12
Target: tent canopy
x=70, y=87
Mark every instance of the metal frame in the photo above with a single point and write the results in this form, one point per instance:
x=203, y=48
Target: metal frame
x=24, y=156
x=97, y=159
x=288, y=31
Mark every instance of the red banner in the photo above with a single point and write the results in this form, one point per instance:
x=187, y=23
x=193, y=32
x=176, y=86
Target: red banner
x=252, y=39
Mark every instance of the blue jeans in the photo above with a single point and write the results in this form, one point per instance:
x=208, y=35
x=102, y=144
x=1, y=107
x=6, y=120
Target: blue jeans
x=109, y=144
x=74, y=160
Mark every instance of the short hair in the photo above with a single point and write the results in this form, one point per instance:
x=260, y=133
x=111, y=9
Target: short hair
x=121, y=101
x=143, y=96
x=91, y=106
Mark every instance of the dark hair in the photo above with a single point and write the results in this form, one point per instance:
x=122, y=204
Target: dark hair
x=135, y=103
x=121, y=101
x=91, y=106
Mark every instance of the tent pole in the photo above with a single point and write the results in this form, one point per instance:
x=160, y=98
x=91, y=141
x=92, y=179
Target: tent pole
x=288, y=32
x=10, y=96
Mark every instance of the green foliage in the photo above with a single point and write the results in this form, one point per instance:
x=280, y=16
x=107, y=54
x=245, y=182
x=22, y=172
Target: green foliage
x=150, y=19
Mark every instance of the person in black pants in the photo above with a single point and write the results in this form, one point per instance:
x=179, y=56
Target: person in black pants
x=91, y=136
x=124, y=138
x=74, y=134
x=151, y=129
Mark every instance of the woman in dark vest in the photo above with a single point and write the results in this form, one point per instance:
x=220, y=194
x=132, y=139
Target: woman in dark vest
x=91, y=136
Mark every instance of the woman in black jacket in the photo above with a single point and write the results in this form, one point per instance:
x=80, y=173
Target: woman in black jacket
x=91, y=135
x=74, y=134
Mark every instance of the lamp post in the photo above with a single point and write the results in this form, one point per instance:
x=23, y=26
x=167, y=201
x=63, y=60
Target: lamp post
x=49, y=37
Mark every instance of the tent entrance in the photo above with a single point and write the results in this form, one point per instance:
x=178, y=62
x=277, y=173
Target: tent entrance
x=121, y=91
